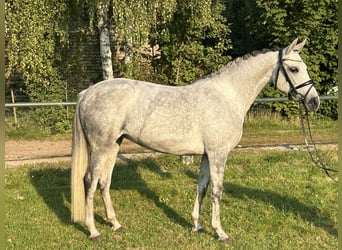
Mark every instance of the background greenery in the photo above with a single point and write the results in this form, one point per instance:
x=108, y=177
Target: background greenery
x=52, y=48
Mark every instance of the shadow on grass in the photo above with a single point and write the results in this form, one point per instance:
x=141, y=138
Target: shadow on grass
x=126, y=176
x=53, y=185
x=284, y=203
x=281, y=202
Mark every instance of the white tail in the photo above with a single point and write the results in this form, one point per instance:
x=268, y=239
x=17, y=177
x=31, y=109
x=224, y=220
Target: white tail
x=78, y=169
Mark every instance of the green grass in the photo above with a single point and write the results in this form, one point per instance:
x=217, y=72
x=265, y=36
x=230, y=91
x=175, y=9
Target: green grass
x=272, y=200
x=272, y=128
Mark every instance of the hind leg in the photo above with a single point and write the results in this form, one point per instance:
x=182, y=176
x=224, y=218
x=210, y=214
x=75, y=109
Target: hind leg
x=90, y=183
x=101, y=164
x=104, y=182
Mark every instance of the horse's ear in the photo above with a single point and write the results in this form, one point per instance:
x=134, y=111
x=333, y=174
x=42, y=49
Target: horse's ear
x=299, y=47
x=291, y=46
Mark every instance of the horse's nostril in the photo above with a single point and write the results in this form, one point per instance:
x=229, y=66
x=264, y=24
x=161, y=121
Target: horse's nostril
x=314, y=101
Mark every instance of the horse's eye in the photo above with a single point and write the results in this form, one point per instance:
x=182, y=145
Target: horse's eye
x=294, y=69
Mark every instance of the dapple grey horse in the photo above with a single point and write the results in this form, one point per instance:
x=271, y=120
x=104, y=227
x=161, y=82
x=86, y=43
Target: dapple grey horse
x=204, y=118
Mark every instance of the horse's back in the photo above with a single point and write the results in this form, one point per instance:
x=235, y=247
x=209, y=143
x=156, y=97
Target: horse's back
x=178, y=120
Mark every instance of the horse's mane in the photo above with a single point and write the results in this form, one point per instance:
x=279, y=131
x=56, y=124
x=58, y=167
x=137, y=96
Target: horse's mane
x=238, y=61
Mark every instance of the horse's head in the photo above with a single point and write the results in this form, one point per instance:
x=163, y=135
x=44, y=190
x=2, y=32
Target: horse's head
x=291, y=76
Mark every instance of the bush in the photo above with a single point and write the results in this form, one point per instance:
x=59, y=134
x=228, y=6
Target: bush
x=39, y=123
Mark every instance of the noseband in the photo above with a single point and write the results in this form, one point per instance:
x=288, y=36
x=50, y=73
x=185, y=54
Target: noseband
x=293, y=94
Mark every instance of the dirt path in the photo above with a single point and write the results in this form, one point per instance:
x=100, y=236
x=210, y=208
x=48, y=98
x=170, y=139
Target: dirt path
x=30, y=152
x=36, y=151
x=15, y=150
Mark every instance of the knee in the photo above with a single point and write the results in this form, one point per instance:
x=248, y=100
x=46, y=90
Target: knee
x=216, y=195
x=87, y=182
x=104, y=184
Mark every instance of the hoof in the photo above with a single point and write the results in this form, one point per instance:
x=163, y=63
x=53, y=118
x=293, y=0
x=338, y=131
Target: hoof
x=198, y=230
x=117, y=238
x=95, y=238
x=120, y=229
x=225, y=240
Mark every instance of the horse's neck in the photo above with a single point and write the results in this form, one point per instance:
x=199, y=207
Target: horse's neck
x=247, y=78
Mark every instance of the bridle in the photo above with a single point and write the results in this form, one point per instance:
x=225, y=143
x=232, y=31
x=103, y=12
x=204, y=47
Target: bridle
x=293, y=94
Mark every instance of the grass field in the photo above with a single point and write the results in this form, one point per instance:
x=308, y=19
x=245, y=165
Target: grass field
x=272, y=200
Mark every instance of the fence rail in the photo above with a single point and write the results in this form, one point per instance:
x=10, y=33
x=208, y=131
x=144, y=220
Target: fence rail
x=45, y=104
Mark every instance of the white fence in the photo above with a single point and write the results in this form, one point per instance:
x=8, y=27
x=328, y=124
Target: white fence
x=44, y=104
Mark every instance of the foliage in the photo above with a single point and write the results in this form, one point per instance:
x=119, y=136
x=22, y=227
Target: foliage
x=318, y=22
x=33, y=30
x=328, y=108
x=40, y=123
x=247, y=31
x=171, y=42
x=133, y=21
x=268, y=197
x=277, y=23
x=33, y=33
x=193, y=41
x=26, y=127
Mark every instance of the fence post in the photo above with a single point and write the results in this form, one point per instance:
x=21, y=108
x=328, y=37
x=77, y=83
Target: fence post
x=187, y=159
x=14, y=109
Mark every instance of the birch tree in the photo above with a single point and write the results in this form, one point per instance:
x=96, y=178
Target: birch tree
x=104, y=31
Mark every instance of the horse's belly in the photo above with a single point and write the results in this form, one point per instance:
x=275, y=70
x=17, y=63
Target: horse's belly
x=166, y=129
x=168, y=141
x=172, y=147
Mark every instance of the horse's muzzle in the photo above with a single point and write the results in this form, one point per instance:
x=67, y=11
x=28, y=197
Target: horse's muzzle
x=311, y=103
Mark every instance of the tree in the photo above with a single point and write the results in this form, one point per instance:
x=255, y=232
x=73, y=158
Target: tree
x=45, y=41
x=97, y=14
x=248, y=31
x=34, y=31
x=261, y=24
x=316, y=21
x=193, y=40
x=104, y=31
x=32, y=34
x=133, y=20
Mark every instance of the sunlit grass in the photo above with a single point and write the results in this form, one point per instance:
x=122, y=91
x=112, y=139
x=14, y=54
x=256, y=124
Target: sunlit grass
x=272, y=200
x=272, y=128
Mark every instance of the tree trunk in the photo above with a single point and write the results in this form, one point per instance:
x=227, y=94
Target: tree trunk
x=106, y=53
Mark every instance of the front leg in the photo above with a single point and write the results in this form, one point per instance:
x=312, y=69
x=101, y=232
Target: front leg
x=203, y=182
x=217, y=165
x=216, y=220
